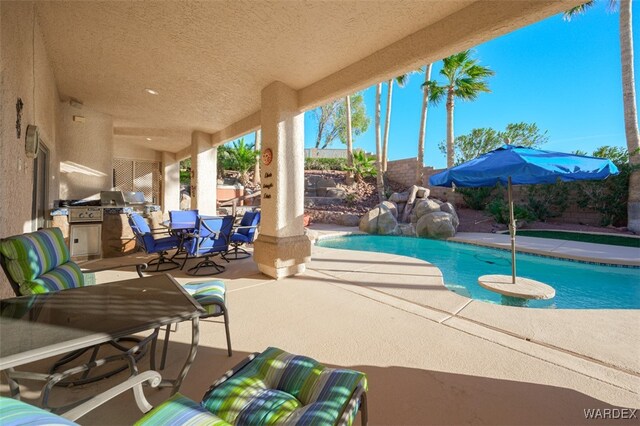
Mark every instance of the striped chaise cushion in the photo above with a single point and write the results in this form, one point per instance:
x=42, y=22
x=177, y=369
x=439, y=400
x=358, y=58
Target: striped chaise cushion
x=209, y=294
x=30, y=256
x=179, y=410
x=14, y=413
x=281, y=388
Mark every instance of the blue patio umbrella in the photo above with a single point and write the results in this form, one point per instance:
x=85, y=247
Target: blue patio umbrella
x=516, y=165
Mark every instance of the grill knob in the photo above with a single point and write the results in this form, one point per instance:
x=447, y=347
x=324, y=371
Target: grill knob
x=90, y=214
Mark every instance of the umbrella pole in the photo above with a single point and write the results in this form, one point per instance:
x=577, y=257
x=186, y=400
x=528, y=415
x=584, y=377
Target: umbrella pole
x=512, y=232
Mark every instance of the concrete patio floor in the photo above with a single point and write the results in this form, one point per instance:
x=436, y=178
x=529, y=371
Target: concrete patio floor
x=432, y=356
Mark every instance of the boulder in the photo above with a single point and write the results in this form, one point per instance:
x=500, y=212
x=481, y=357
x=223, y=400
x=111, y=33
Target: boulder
x=448, y=208
x=436, y=225
x=379, y=220
x=348, y=219
x=422, y=192
x=399, y=197
x=407, y=229
x=322, y=185
x=426, y=206
x=391, y=206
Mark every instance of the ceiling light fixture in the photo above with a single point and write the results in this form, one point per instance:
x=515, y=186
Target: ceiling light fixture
x=151, y=91
x=148, y=139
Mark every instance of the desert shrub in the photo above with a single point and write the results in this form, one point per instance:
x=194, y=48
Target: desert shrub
x=546, y=201
x=499, y=209
x=608, y=197
x=339, y=164
x=476, y=198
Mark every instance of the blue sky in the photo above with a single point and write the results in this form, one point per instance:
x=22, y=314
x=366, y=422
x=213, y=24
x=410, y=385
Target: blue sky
x=563, y=76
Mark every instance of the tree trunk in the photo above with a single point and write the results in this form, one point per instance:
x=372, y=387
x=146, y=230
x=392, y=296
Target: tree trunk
x=385, y=143
x=379, y=175
x=423, y=126
x=450, y=128
x=630, y=113
x=349, y=141
x=258, y=148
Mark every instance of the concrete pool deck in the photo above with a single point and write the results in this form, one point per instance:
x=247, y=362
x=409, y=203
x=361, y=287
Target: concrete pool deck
x=432, y=356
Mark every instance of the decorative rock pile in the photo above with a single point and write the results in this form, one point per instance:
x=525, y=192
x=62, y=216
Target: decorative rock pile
x=412, y=213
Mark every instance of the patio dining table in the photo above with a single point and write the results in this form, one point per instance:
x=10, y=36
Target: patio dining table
x=40, y=326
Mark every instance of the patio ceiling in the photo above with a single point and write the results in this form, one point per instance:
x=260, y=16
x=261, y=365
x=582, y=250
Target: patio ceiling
x=209, y=61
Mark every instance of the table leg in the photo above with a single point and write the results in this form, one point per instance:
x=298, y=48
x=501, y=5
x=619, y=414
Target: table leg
x=195, y=336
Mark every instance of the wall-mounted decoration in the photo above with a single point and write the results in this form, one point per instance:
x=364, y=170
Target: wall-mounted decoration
x=267, y=156
x=19, y=106
x=267, y=186
x=267, y=175
x=267, y=195
x=32, y=141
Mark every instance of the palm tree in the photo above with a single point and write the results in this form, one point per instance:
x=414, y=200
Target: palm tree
x=423, y=124
x=464, y=79
x=401, y=80
x=379, y=177
x=347, y=101
x=628, y=101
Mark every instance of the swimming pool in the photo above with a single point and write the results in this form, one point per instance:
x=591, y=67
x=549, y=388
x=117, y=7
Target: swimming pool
x=578, y=285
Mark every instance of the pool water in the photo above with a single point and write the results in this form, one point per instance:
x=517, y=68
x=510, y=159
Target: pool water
x=577, y=285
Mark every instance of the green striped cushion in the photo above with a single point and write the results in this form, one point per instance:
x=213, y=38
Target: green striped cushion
x=278, y=387
x=208, y=294
x=14, y=413
x=179, y=410
x=65, y=276
x=31, y=255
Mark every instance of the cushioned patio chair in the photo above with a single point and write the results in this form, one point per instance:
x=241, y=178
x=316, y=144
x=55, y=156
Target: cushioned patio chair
x=243, y=234
x=210, y=238
x=274, y=387
x=151, y=245
x=211, y=295
x=39, y=262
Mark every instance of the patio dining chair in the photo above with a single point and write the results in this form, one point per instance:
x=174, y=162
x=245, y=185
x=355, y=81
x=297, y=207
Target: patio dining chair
x=210, y=238
x=39, y=262
x=244, y=234
x=146, y=240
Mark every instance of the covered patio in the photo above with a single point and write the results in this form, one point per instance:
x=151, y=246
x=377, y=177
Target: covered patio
x=86, y=73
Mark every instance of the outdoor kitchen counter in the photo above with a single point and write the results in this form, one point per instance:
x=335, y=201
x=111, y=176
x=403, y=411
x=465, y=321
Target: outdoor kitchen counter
x=117, y=236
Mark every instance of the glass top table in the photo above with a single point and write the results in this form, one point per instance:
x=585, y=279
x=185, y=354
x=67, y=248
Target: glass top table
x=44, y=325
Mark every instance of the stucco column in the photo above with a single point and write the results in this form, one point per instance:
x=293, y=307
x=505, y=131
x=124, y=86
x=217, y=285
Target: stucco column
x=171, y=181
x=204, y=170
x=282, y=248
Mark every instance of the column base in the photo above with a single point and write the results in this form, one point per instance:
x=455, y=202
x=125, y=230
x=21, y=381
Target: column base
x=280, y=257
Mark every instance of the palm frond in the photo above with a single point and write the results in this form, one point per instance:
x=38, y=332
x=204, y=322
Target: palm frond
x=579, y=10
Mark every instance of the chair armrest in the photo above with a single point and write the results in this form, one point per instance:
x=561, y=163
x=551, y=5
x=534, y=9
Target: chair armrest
x=245, y=227
x=139, y=268
x=134, y=382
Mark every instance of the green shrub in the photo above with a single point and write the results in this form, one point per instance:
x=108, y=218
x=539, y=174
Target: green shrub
x=363, y=166
x=499, y=209
x=476, y=198
x=325, y=164
x=608, y=197
x=546, y=201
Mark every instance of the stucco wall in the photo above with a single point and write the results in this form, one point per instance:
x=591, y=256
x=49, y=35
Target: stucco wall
x=20, y=54
x=85, y=152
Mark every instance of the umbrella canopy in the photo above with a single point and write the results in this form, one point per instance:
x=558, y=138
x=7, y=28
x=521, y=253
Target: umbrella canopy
x=525, y=166
x=517, y=165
